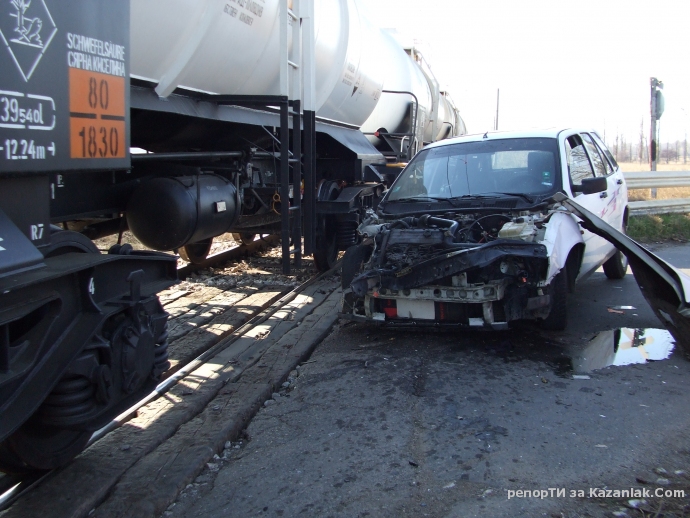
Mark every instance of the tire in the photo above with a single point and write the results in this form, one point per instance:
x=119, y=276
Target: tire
x=353, y=259
x=326, y=243
x=558, y=316
x=326, y=250
x=616, y=266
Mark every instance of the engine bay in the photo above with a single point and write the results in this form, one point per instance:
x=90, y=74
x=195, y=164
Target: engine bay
x=468, y=269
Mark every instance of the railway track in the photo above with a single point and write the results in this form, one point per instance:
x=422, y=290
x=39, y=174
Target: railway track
x=218, y=329
x=234, y=253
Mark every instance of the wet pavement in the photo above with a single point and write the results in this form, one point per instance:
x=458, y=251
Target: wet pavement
x=384, y=422
x=620, y=347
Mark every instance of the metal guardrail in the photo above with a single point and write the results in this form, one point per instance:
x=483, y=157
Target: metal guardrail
x=658, y=180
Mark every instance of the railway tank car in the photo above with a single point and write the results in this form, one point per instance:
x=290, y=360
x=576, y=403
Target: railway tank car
x=365, y=84
x=195, y=87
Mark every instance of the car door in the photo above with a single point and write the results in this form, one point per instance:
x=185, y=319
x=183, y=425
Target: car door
x=617, y=191
x=580, y=166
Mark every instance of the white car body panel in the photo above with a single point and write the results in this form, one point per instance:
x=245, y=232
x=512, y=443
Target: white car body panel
x=562, y=234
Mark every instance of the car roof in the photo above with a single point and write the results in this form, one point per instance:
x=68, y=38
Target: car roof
x=500, y=135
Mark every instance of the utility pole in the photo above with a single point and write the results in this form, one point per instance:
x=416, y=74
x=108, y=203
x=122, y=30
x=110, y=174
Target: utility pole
x=656, y=109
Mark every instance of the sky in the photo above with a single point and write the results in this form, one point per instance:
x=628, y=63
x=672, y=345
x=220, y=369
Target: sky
x=583, y=64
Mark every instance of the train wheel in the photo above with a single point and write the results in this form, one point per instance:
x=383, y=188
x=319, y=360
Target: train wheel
x=39, y=447
x=196, y=253
x=36, y=446
x=244, y=238
x=68, y=241
x=326, y=250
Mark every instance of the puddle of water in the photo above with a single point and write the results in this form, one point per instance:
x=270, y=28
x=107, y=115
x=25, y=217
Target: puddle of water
x=625, y=346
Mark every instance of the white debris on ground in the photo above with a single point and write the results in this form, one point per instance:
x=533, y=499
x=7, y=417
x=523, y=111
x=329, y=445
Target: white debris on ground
x=260, y=269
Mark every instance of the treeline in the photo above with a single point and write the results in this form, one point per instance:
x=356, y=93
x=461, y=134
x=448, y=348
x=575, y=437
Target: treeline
x=628, y=151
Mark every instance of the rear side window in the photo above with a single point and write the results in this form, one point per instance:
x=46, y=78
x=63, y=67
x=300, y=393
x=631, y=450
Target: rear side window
x=597, y=160
x=607, y=153
x=609, y=167
x=579, y=166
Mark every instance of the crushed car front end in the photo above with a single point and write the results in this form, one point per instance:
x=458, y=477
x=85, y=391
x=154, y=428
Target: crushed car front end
x=462, y=239
x=423, y=270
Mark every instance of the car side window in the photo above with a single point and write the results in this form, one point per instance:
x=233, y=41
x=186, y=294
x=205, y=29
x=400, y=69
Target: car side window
x=609, y=167
x=607, y=153
x=597, y=160
x=579, y=166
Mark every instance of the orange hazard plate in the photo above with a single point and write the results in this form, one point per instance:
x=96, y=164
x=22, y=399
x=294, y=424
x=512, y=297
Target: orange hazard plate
x=97, y=115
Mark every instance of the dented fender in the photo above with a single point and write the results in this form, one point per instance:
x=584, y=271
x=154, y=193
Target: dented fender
x=562, y=234
x=664, y=287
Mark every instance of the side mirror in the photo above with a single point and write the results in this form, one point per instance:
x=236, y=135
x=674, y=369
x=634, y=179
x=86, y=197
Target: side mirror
x=592, y=185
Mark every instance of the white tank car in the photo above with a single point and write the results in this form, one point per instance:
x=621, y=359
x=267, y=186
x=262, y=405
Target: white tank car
x=213, y=46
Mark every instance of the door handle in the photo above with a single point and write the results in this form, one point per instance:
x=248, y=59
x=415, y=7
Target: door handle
x=604, y=195
x=619, y=181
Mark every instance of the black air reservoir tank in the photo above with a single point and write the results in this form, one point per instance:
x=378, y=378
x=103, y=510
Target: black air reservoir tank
x=168, y=213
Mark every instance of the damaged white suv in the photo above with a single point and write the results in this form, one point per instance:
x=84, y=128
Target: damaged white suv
x=469, y=235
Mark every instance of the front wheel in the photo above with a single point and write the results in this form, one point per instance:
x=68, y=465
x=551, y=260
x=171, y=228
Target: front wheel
x=354, y=258
x=558, y=316
x=326, y=250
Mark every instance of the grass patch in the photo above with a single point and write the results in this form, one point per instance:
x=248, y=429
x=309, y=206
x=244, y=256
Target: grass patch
x=662, y=193
x=660, y=166
x=659, y=227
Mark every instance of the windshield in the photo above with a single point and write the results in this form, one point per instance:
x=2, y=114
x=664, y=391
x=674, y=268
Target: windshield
x=488, y=167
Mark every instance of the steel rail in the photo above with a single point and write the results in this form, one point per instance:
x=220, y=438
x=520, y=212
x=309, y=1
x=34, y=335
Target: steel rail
x=14, y=487
x=260, y=315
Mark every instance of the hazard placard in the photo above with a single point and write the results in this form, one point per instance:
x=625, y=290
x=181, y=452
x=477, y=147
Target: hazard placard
x=97, y=115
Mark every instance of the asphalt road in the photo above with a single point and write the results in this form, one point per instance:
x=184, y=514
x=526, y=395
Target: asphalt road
x=384, y=422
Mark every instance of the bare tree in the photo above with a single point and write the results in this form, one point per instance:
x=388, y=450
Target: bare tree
x=642, y=143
